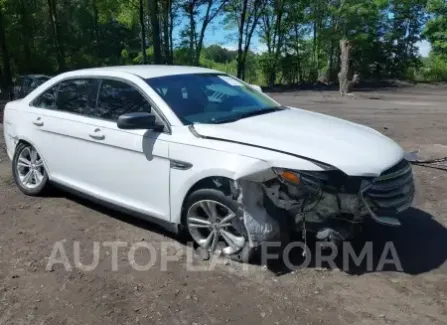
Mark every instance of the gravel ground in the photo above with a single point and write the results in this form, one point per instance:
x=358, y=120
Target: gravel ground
x=31, y=293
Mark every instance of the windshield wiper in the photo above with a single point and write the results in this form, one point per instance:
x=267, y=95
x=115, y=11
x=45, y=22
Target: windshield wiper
x=247, y=114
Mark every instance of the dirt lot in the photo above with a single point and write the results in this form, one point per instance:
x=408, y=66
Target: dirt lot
x=29, y=227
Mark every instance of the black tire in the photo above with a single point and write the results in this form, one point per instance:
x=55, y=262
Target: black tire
x=247, y=253
x=36, y=191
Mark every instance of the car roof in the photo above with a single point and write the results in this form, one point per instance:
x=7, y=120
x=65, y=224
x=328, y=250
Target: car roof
x=148, y=71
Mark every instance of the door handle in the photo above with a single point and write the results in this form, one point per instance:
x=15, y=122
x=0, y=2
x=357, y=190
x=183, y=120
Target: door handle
x=97, y=135
x=38, y=122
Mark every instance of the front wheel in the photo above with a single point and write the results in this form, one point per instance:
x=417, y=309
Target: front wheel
x=216, y=224
x=29, y=171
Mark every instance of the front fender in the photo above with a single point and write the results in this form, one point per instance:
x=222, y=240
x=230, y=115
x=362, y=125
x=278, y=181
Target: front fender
x=209, y=163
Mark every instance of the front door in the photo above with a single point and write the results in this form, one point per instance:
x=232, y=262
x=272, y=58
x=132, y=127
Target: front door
x=129, y=167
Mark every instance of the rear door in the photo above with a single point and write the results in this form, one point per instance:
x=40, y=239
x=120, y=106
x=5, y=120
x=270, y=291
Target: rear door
x=60, y=128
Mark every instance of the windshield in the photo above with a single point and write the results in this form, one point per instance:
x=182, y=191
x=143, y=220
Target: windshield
x=211, y=98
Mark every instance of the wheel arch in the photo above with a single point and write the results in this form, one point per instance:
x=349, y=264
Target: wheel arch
x=24, y=142
x=222, y=183
x=213, y=178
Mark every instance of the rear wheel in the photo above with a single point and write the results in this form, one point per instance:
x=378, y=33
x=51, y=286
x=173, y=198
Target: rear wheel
x=29, y=171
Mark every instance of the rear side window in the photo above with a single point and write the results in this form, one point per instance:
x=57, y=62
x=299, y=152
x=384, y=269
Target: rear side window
x=72, y=96
x=77, y=96
x=116, y=98
x=47, y=99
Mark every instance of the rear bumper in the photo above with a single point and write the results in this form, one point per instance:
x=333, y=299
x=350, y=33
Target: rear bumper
x=10, y=141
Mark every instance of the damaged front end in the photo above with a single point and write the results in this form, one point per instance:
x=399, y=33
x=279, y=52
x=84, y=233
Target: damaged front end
x=328, y=203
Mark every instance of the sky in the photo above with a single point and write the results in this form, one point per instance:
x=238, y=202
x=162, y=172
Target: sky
x=227, y=39
x=424, y=48
x=221, y=35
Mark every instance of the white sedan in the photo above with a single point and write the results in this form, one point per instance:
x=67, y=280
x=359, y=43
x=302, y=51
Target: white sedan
x=200, y=151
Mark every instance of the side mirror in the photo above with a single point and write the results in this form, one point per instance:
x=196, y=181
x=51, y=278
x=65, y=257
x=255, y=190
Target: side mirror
x=138, y=121
x=258, y=88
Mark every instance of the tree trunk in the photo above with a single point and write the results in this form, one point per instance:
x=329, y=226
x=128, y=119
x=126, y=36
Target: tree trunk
x=343, y=76
x=330, y=62
x=143, y=33
x=297, y=49
x=192, y=30
x=250, y=31
x=270, y=43
x=26, y=33
x=200, y=44
x=205, y=22
x=6, y=71
x=96, y=27
x=314, y=52
x=153, y=7
x=56, y=34
x=171, y=33
x=240, y=56
x=166, y=45
x=278, y=37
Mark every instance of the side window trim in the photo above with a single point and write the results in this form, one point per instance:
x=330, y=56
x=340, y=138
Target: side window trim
x=100, y=79
x=98, y=91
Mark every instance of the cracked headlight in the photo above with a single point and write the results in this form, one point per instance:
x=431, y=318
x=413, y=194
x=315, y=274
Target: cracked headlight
x=309, y=179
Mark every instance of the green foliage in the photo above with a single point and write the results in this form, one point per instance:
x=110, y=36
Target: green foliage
x=301, y=37
x=434, y=69
x=139, y=58
x=436, y=28
x=219, y=54
x=218, y=58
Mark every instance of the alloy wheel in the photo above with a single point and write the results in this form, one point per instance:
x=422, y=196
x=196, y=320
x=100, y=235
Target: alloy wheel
x=30, y=168
x=213, y=226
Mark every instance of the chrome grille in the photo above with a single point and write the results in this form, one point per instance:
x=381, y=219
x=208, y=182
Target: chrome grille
x=392, y=192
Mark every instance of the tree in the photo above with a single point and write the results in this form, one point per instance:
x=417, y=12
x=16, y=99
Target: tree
x=143, y=32
x=6, y=67
x=56, y=28
x=213, y=9
x=167, y=23
x=200, y=14
x=405, y=30
x=219, y=54
x=246, y=13
x=190, y=7
x=343, y=76
x=301, y=37
x=153, y=9
x=273, y=31
x=96, y=27
x=26, y=34
x=436, y=28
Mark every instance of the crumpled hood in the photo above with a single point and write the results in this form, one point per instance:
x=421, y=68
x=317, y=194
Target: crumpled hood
x=353, y=148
